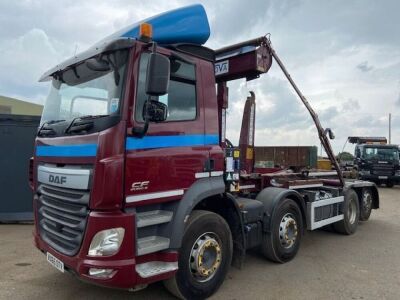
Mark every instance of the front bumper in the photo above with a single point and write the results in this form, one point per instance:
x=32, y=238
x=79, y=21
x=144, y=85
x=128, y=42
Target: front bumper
x=380, y=178
x=124, y=262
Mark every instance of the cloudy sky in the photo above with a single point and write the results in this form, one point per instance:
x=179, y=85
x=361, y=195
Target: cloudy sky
x=344, y=55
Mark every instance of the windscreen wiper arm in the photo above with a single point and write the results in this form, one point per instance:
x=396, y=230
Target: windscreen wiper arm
x=50, y=130
x=85, y=124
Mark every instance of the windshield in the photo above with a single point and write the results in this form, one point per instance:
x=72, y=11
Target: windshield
x=86, y=90
x=381, y=153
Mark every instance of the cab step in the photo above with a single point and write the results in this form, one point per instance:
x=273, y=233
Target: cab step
x=153, y=217
x=154, y=268
x=151, y=244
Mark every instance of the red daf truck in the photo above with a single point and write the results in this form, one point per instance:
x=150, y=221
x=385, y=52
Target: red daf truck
x=134, y=181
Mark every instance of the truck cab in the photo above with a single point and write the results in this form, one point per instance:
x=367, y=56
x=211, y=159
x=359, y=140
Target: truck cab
x=92, y=163
x=377, y=161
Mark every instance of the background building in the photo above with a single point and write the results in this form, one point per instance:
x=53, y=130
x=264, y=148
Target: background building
x=18, y=107
x=19, y=121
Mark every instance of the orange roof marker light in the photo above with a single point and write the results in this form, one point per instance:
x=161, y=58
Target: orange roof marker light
x=145, y=32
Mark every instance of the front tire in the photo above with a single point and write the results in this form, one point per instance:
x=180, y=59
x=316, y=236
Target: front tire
x=389, y=184
x=204, y=258
x=282, y=243
x=351, y=214
x=365, y=204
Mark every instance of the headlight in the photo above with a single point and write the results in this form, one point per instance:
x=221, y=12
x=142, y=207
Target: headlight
x=106, y=242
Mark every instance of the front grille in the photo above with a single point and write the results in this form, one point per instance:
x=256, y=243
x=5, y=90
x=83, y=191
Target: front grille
x=62, y=215
x=384, y=170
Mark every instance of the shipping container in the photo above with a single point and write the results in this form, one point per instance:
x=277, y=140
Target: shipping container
x=295, y=157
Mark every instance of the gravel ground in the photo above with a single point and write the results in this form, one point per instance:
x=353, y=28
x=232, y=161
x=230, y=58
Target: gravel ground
x=365, y=265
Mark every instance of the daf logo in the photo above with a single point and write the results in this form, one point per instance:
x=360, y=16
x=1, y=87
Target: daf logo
x=57, y=179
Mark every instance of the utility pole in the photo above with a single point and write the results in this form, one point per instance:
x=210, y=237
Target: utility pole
x=390, y=128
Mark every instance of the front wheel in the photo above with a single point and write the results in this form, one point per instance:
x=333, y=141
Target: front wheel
x=351, y=214
x=204, y=258
x=283, y=241
x=365, y=204
x=389, y=184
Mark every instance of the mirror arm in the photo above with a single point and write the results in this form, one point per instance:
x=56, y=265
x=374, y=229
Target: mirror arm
x=114, y=67
x=141, y=132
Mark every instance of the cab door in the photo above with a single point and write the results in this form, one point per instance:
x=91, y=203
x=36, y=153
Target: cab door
x=164, y=163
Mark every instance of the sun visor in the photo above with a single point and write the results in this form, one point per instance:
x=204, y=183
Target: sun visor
x=183, y=25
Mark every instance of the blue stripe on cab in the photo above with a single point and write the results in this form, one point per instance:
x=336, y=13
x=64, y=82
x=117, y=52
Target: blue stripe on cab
x=168, y=141
x=67, y=150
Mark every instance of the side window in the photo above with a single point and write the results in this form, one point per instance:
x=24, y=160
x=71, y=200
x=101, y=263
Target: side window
x=181, y=97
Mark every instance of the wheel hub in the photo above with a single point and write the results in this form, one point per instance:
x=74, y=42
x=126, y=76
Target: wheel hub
x=288, y=231
x=205, y=257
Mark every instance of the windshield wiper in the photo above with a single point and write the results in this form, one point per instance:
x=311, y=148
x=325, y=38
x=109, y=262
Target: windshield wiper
x=82, y=123
x=47, y=130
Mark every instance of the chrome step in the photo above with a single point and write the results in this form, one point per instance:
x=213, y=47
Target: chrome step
x=151, y=244
x=154, y=268
x=153, y=217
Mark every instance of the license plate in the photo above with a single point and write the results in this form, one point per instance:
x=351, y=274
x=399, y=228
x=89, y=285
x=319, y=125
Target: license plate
x=382, y=177
x=55, y=262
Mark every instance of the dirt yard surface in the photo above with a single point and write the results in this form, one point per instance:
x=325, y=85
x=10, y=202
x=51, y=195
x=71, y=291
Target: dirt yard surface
x=365, y=265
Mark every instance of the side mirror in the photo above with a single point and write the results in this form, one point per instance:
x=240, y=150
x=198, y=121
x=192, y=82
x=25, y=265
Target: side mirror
x=158, y=72
x=156, y=111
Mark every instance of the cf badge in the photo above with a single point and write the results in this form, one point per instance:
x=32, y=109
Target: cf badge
x=140, y=185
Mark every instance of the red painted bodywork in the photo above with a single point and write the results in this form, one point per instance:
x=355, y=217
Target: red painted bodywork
x=115, y=169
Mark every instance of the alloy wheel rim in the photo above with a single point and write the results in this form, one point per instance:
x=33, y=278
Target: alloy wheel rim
x=288, y=231
x=205, y=257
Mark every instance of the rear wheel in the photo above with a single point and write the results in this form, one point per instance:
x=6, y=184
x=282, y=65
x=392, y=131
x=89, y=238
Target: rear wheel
x=365, y=204
x=282, y=243
x=351, y=214
x=204, y=258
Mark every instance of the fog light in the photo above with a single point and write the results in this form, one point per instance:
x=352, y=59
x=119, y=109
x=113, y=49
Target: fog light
x=106, y=242
x=101, y=273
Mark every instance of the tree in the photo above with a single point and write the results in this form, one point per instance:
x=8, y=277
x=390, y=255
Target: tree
x=343, y=156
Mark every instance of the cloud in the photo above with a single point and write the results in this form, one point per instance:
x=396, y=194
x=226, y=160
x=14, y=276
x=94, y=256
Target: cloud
x=351, y=105
x=329, y=113
x=23, y=59
x=364, y=67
